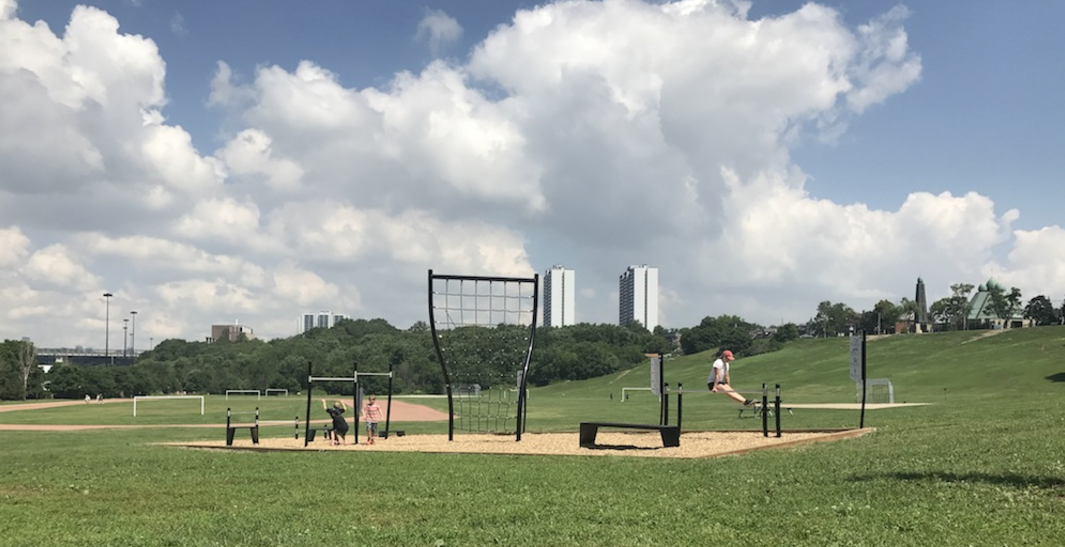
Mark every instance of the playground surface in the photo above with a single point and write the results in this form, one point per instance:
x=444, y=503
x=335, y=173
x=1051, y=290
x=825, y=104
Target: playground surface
x=694, y=444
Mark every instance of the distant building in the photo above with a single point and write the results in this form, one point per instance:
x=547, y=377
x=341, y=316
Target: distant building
x=981, y=313
x=322, y=320
x=231, y=332
x=638, y=296
x=559, y=291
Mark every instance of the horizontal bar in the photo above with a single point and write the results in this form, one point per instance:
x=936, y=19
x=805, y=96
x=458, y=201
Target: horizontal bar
x=481, y=278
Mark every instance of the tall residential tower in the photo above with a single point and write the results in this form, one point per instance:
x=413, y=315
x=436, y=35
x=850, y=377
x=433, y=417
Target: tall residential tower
x=324, y=319
x=559, y=291
x=638, y=296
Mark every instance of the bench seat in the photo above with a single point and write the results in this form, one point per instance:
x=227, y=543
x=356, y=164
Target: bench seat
x=312, y=431
x=589, y=430
x=232, y=430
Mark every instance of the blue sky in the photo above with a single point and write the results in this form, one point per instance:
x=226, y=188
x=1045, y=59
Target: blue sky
x=711, y=140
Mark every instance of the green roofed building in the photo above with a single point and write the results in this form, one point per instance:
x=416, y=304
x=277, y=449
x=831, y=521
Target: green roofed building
x=981, y=311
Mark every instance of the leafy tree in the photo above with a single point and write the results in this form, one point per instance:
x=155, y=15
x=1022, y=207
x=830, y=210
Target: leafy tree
x=65, y=381
x=725, y=331
x=786, y=333
x=1041, y=311
x=18, y=362
x=833, y=319
x=953, y=311
x=1004, y=305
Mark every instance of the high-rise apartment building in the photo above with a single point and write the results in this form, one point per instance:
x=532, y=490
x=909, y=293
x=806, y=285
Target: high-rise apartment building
x=559, y=303
x=324, y=319
x=638, y=296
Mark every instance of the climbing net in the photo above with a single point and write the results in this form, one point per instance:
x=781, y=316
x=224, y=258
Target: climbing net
x=483, y=332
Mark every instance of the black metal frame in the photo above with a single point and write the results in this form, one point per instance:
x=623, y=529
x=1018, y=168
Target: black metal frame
x=356, y=409
x=522, y=411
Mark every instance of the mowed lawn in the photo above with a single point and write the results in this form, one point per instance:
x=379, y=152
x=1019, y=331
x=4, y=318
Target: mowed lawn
x=983, y=464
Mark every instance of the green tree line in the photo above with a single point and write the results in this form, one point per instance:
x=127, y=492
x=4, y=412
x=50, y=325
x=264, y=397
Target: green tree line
x=486, y=356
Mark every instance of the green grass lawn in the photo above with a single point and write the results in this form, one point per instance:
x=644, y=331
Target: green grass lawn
x=984, y=464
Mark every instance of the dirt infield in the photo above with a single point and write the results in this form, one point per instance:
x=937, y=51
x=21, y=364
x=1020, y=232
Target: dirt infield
x=401, y=412
x=645, y=445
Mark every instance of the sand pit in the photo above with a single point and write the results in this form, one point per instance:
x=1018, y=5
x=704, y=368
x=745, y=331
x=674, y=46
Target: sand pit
x=645, y=445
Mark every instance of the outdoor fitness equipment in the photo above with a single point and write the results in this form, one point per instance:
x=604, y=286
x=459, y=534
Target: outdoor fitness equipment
x=356, y=397
x=473, y=320
x=670, y=433
x=765, y=406
x=232, y=429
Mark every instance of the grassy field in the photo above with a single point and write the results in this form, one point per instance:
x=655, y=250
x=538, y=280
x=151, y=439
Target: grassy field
x=984, y=464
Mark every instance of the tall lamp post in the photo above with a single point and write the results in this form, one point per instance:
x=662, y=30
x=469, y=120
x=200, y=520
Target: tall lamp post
x=125, y=337
x=107, y=324
x=133, y=336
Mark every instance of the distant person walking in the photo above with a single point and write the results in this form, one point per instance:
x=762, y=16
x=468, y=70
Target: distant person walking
x=340, y=425
x=721, y=382
x=371, y=412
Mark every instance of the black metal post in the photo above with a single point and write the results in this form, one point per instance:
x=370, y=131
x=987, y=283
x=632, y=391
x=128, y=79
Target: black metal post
x=310, y=388
x=388, y=409
x=229, y=428
x=355, y=399
x=765, y=409
x=443, y=367
x=664, y=419
x=861, y=422
x=776, y=408
x=680, y=403
x=523, y=388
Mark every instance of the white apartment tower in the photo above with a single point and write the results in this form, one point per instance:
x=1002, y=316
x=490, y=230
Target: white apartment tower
x=638, y=296
x=559, y=291
x=324, y=319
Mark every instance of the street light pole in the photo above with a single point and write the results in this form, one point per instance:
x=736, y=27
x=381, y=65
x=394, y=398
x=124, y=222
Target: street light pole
x=107, y=324
x=133, y=336
x=125, y=337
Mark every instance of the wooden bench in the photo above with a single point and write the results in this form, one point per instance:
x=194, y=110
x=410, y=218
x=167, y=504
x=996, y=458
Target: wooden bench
x=670, y=433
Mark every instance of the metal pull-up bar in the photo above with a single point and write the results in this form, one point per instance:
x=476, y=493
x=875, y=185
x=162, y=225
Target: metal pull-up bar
x=354, y=379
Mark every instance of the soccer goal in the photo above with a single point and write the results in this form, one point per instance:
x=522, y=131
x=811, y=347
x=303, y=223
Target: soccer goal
x=484, y=329
x=280, y=391
x=258, y=394
x=138, y=398
x=878, y=390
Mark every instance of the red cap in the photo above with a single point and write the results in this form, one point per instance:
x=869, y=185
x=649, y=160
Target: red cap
x=727, y=353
